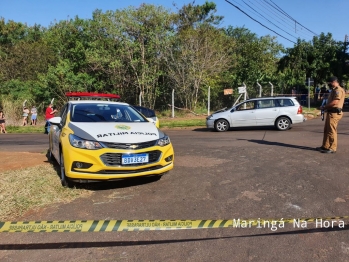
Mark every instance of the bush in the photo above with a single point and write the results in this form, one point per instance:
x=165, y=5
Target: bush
x=13, y=110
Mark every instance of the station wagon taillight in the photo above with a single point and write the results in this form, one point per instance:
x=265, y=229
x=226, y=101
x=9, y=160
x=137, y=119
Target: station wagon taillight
x=300, y=110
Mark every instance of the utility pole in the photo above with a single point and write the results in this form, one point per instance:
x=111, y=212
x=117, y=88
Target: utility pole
x=260, y=89
x=272, y=89
x=173, y=103
x=308, y=94
x=208, y=100
x=309, y=81
x=245, y=92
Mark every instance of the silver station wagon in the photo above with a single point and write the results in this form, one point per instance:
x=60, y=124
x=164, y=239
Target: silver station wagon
x=280, y=112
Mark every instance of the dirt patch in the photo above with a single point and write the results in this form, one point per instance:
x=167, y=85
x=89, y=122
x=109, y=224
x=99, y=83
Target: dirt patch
x=19, y=160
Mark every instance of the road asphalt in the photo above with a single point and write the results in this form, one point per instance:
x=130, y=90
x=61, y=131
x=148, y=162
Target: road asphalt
x=242, y=173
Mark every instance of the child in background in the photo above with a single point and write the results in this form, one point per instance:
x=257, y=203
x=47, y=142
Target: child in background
x=2, y=122
x=25, y=116
x=34, y=113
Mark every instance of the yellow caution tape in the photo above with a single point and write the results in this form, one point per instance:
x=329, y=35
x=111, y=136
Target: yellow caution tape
x=146, y=225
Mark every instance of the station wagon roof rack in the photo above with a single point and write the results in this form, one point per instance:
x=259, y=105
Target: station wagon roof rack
x=91, y=96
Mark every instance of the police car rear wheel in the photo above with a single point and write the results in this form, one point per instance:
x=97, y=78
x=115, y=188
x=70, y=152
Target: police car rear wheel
x=64, y=180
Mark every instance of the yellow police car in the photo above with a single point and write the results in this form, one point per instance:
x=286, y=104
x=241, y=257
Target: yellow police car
x=102, y=140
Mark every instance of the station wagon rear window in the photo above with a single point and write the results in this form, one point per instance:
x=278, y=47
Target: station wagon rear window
x=285, y=102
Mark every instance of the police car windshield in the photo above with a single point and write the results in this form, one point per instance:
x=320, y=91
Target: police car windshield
x=104, y=113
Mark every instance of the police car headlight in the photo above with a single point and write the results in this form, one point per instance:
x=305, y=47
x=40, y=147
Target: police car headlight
x=164, y=141
x=78, y=142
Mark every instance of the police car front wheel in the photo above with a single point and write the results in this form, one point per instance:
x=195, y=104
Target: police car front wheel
x=66, y=182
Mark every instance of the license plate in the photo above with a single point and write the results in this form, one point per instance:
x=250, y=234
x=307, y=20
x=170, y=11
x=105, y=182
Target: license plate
x=135, y=159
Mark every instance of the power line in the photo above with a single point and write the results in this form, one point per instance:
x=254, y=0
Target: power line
x=258, y=21
x=279, y=8
x=275, y=15
x=268, y=19
x=263, y=4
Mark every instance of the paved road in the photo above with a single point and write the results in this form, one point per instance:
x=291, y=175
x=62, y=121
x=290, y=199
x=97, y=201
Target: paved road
x=35, y=143
x=242, y=173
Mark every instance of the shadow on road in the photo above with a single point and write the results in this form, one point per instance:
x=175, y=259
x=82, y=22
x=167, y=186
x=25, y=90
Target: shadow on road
x=263, y=142
x=129, y=182
x=86, y=244
x=203, y=129
x=271, y=128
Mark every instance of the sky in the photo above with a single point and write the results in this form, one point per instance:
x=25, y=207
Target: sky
x=316, y=15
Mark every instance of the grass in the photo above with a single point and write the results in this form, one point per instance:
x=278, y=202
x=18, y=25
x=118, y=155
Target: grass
x=164, y=122
x=25, y=129
x=169, y=123
x=32, y=188
x=314, y=111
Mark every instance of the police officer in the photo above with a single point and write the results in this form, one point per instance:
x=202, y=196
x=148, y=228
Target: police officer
x=334, y=114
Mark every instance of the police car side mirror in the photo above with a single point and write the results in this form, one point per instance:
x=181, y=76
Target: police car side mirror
x=55, y=121
x=151, y=120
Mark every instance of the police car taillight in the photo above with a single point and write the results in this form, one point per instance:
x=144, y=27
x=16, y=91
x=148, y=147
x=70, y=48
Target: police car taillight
x=300, y=110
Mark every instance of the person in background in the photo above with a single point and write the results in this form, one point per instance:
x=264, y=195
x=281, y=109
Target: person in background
x=25, y=116
x=48, y=115
x=324, y=102
x=316, y=94
x=304, y=95
x=2, y=122
x=34, y=113
x=325, y=98
x=322, y=91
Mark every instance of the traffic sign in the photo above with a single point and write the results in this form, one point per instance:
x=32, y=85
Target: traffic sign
x=228, y=92
x=242, y=89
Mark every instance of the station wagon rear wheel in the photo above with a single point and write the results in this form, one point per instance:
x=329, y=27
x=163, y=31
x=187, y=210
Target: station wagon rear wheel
x=221, y=125
x=283, y=123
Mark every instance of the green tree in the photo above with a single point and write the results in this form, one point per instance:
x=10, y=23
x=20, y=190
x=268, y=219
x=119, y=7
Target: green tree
x=318, y=59
x=195, y=59
x=143, y=33
x=192, y=16
x=253, y=59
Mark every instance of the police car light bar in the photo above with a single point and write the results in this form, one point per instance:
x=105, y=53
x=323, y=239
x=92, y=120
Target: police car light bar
x=80, y=95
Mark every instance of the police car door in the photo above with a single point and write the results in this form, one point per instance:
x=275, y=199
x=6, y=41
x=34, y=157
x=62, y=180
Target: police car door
x=57, y=130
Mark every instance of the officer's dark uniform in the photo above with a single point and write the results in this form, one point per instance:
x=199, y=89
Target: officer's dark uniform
x=332, y=118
